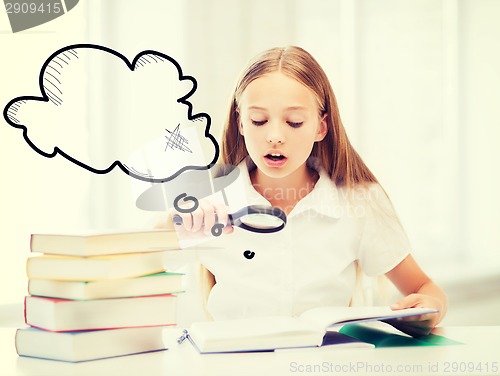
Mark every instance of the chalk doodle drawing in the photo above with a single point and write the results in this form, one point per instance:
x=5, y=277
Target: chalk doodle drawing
x=138, y=100
x=176, y=140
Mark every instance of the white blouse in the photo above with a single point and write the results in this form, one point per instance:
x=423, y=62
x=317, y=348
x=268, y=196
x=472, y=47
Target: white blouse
x=311, y=262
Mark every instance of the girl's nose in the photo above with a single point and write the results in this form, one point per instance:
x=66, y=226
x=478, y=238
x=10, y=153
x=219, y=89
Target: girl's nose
x=275, y=134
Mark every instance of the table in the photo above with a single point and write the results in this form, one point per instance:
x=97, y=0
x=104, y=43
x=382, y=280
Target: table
x=480, y=350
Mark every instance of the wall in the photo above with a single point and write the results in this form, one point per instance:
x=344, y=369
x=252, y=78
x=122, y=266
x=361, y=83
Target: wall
x=416, y=83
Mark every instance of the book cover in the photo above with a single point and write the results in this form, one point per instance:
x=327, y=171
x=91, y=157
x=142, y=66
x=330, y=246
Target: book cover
x=94, y=244
x=83, y=346
x=151, y=284
x=72, y=315
x=94, y=268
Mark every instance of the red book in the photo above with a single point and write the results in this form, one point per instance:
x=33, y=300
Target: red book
x=63, y=315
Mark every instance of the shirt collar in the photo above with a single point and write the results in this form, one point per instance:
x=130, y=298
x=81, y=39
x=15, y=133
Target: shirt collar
x=323, y=199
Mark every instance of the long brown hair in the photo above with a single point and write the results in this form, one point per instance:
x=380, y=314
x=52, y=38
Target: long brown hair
x=334, y=152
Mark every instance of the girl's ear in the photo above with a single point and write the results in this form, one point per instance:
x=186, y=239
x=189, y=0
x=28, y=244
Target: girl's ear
x=322, y=129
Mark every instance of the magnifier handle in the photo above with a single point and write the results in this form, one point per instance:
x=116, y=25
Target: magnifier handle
x=177, y=219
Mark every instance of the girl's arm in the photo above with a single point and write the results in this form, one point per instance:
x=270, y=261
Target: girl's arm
x=419, y=291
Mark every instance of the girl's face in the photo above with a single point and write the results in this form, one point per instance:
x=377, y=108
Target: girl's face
x=280, y=122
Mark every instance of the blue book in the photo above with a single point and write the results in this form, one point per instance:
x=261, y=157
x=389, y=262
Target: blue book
x=88, y=345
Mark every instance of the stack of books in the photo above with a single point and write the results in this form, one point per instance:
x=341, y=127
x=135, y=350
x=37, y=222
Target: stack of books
x=98, y=296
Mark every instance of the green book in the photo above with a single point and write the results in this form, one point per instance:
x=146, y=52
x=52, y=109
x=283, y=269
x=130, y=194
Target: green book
x=152, y=284
x=383, y=338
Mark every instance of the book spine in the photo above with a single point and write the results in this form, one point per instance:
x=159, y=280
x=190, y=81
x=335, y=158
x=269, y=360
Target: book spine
x=31, y=243
x=69, y=331
x=24, y=311
x=17, y=341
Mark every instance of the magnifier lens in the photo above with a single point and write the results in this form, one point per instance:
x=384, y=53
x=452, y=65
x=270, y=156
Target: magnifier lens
x=261, y=221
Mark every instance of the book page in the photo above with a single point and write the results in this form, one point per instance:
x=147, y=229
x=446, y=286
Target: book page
x=324, y=317
x=248, y=328
x=254, y=334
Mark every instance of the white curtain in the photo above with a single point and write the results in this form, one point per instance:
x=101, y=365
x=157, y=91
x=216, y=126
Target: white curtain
x=416, y=84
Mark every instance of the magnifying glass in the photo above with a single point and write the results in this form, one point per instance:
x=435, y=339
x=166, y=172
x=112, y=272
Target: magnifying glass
x=256, y=218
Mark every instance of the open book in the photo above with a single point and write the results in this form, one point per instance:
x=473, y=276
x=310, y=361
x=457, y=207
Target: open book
x=277, y=332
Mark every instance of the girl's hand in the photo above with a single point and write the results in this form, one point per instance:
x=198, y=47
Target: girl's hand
x=421, y=325
x=202, y=220
x=420, y=291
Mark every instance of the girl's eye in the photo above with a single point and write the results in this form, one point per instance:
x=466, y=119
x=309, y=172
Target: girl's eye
x=259, y=122
x=295, y=124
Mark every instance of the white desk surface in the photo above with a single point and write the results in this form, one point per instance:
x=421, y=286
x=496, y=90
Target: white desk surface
x=479, y=355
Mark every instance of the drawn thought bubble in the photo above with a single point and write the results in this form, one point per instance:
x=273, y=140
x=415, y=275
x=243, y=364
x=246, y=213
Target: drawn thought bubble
x=141, y=119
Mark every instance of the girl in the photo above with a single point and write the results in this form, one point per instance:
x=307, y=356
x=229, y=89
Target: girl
x=284, y=133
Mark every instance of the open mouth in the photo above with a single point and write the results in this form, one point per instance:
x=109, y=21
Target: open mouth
x=275, y=160
x=275, y=157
